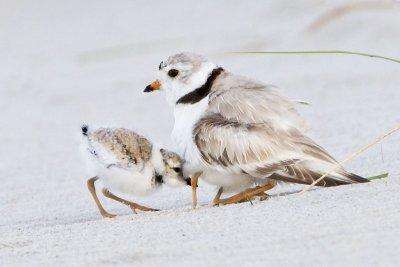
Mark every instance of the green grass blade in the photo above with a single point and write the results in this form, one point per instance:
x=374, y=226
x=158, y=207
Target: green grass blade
x=344, y=52
x=380, y=176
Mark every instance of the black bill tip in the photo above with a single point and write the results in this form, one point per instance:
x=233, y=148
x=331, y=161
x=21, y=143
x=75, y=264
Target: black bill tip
x=148, y=89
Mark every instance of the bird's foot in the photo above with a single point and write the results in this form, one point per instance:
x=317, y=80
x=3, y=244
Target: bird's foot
x=105, y=214
x=263, y=196
x=247, y=195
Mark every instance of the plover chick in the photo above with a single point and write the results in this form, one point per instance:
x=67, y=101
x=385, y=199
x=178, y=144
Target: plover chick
x=128, y=163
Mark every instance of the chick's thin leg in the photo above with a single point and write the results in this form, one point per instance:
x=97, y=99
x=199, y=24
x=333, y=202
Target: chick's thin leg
x=92, y=190
x=247, y=194
x=130, y=204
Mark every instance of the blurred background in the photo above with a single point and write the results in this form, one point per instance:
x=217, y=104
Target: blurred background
x=68, y=62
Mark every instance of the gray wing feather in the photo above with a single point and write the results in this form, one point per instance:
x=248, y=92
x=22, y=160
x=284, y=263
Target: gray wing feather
x=250, y=128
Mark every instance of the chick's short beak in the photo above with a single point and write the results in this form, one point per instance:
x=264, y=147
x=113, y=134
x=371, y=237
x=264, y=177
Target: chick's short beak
x=154, y=86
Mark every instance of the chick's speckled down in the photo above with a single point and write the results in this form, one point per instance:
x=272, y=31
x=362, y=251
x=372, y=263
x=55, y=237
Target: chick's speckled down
x=126, y=145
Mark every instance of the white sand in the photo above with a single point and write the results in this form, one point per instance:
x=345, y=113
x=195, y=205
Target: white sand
x=68, y=62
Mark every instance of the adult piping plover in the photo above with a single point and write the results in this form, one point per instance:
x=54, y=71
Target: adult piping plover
x=128, y=163
x=237, y=132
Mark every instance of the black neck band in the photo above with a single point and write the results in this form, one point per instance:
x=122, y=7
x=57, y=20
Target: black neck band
x=201, y=92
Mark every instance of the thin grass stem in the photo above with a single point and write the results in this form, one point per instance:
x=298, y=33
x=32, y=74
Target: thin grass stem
x=318, y=52
x=379, y=176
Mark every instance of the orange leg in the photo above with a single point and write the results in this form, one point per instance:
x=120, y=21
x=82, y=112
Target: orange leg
x=92, y=190
x=130, y=204
x=248, y=194
x=193, y=183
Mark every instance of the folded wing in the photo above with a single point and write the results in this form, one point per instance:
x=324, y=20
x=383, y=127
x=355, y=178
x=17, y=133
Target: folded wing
x=256, y=131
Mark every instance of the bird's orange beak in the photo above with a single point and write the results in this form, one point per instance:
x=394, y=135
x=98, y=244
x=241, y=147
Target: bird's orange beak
x=154, y=86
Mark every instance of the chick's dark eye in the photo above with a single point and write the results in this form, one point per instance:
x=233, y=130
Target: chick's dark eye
x=173, y=73
x=177, y=169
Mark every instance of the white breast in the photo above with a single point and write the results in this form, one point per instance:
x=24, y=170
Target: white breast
x=186, y=116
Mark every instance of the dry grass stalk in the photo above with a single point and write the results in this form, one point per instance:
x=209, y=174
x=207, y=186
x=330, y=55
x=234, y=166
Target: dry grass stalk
x=317, y=52
x=355, y=154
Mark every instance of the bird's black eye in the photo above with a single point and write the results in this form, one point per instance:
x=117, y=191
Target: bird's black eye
x=173, y=73
x=178, y=170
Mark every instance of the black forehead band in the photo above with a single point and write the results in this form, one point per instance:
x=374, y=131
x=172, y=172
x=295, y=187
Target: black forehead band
x=160, y=66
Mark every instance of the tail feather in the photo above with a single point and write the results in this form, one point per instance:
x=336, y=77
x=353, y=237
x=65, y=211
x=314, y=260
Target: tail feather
x=306, y=174
x=337, y=175
x=354, y=178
